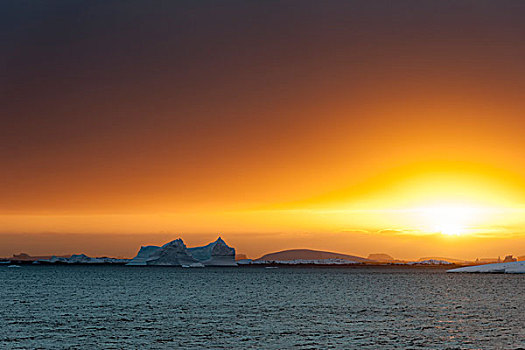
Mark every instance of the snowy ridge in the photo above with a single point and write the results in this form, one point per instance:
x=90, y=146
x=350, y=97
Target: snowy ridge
x=510, y=267
x=83, y=259
x=430, y=262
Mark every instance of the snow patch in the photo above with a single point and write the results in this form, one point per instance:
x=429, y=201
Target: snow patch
x=510, y=267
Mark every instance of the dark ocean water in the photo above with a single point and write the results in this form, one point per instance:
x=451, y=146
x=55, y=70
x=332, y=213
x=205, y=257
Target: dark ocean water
x=117, y=307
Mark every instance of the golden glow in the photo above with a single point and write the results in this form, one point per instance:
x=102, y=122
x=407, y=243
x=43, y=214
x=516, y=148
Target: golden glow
x=404, y=212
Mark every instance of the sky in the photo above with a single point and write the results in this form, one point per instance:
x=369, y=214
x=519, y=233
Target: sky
x=352, y=126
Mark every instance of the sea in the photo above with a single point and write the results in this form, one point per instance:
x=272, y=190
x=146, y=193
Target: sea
x=119, y=307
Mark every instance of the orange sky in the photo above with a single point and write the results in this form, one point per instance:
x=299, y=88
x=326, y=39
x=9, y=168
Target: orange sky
x=345, y=126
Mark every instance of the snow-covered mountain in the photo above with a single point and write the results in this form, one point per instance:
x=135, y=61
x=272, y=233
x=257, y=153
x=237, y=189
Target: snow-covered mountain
x=175, y=253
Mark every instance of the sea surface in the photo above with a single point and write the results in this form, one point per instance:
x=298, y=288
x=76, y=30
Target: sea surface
x=118, y=307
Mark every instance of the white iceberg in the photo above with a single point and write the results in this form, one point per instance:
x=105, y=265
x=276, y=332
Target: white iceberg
x=175, y=253
x=510, y=267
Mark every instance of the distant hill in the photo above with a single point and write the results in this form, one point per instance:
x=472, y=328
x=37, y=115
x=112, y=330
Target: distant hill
x=382, y=257
x=456, y=261
x=308, y=254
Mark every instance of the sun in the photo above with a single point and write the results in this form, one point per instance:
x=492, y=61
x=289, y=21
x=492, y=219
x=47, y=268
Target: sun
x=450, y=229
x=448, y=220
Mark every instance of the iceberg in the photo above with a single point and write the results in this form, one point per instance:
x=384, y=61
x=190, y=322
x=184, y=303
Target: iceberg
x=143, y=255
x=510, y=267
x=175, y=253
x=217, y=253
